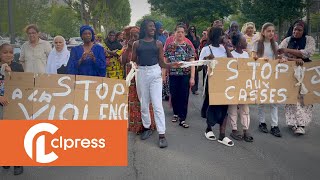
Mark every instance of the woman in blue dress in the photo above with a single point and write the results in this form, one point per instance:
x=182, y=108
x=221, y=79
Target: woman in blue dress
x=87, y=59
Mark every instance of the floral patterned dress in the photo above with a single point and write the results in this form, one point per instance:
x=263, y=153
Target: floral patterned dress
x=299, y=114
x=114, y=68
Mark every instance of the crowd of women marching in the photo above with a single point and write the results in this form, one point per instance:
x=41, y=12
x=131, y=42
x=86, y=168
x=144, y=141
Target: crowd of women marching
x=158, y=58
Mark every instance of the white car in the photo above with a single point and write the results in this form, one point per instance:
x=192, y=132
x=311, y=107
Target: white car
x=75, y=41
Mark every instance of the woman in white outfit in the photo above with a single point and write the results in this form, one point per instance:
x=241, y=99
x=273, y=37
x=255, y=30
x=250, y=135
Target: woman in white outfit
x=58, y=57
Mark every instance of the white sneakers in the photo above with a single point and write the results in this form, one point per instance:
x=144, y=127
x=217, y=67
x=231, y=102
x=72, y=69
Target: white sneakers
x=299, y=131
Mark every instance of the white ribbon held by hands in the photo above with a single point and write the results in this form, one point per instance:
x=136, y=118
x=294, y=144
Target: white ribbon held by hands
x=299, y=75
x=132, y=73
x=210, y=63
x=3, y=69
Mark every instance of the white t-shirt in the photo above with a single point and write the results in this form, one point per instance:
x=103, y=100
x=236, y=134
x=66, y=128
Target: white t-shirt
x=216, y=51
x=237, y=55
x=267, y=49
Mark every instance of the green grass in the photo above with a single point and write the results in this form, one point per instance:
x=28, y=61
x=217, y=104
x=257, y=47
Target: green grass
x=316, y=57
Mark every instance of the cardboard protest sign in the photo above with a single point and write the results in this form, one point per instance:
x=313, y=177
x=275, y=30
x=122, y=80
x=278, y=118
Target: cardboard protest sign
x=246, y=81
x=312, y=82
x=65, y=97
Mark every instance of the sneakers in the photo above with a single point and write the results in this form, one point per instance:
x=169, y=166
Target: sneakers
x=146, y=134
x=163, y=142
x=263, y=127
x=299, y=131
x=275, y=131
x=18, y=170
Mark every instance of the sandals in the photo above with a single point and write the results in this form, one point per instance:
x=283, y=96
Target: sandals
x=175, y=118
x=183, y=124
x=210, y=136
x=247, y=137
x=226, y=141
x=237, y=136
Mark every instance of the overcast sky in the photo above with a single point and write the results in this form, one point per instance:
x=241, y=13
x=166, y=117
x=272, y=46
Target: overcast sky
x=139, y=8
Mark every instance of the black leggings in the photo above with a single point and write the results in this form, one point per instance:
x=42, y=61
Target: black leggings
x=214, y=113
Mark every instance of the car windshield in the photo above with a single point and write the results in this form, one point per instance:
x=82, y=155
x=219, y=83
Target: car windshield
x=16, y=50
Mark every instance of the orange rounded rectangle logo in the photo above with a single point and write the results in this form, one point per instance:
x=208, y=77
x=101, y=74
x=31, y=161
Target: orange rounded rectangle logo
x=63, y=143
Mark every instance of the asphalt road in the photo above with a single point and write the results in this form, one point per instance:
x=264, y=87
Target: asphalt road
x=191, y=156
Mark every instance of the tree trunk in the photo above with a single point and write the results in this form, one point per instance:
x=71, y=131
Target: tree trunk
x=308, y=16
x=280, y=30
x=99, y=24
x=94, y=23
x=82, y=12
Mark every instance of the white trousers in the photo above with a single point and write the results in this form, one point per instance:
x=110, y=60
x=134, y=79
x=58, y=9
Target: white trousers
x=274, y=114
x=149, y=88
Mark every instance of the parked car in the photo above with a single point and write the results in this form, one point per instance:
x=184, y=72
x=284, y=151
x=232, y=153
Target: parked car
x=16, y=52
x=75, y=40
x=70, y=46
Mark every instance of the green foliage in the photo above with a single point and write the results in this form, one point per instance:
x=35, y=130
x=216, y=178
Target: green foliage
x=277, y=11
x=195, y=11
x=168, y=22
x=62, y=21
x=315, y=22
x=111, y=14
x=65, y=20
x=118, y=15
x=24, y=13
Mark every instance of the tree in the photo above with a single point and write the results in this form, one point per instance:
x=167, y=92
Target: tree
x=315, y=27
x=195, y=11
x=111, y=14
x=118, y=15
x=25, y=12
x=277, y=11
x=62, y=21
x=168, y=22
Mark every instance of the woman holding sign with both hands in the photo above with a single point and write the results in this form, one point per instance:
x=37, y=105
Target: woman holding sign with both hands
x=6, y=57
x=266, y=48
x=215, y=114
x=298, y=47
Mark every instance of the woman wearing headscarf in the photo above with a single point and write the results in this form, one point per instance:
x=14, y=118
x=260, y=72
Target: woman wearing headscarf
x=298, y=47
x=249, y=31
x=87, y=59
x=58, y=57
x=160, y=36
x=113, y=50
